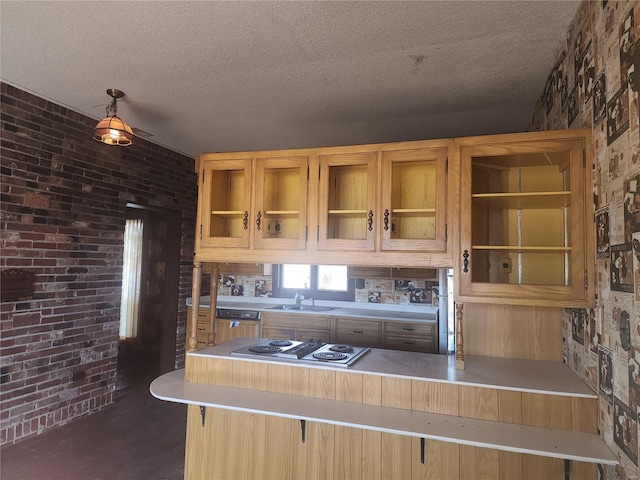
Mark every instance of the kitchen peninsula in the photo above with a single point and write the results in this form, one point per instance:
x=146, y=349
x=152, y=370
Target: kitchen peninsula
x=391, y=414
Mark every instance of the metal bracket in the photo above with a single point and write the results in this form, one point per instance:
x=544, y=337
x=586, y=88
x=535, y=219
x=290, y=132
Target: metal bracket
x=303, y=427
x=203, y=413
x=422, y=451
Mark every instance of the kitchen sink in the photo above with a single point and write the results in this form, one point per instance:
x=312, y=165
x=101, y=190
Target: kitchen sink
x=304, y=308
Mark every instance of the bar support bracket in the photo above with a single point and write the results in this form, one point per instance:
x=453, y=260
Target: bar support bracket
x=203, y=413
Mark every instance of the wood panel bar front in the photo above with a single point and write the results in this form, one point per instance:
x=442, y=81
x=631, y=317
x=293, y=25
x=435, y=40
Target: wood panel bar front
x=335, y=449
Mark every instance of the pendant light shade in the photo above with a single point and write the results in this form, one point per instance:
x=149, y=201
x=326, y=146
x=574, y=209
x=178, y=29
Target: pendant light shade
x=111, y=129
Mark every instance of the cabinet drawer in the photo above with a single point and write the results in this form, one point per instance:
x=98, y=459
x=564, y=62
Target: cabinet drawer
x=307, y=335
x=296, y=321
x=402, y=328
x=417, y=344
x=358, y=332
x=278, y=333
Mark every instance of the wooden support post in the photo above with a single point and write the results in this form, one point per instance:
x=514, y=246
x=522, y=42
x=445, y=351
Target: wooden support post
x=459, y=337
x=195, y=299
x=213, y=295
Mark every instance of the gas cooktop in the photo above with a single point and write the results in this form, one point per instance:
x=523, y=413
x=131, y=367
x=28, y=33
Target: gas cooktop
x=339, y=355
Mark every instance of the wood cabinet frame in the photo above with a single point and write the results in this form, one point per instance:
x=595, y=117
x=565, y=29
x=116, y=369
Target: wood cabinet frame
x=580, y=291
x=313, y=244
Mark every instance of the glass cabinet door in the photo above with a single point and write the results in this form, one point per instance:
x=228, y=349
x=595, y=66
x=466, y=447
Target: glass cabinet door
x=281, y=203
x=414, y=199
x=523, y=220
x=225, y=203
x=346, y=211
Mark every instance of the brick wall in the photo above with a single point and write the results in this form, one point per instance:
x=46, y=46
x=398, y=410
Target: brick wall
x=63, y=203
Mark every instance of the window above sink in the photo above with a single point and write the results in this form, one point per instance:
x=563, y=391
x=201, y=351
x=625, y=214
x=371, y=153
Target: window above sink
x=318, y=282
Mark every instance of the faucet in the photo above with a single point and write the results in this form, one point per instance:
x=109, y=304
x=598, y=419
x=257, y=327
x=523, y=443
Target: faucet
x=298, y=298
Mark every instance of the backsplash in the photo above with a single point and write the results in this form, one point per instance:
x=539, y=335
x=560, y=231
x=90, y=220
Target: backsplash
x=368, y=290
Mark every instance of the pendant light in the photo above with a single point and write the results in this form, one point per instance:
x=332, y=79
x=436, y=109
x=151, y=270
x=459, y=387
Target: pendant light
x=111, y=129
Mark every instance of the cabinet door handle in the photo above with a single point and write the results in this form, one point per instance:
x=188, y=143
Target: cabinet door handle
x=370, y=220
x=259, y=220
x=408, y=343
x=358, y=331
x=465, y=261
x=386, y=219
x=408, y=329
x=245, y=220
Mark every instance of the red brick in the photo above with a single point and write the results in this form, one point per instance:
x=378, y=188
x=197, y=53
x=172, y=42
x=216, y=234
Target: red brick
x=86, y=187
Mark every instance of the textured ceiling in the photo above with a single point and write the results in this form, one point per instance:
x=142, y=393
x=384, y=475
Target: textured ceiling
x=220, y=76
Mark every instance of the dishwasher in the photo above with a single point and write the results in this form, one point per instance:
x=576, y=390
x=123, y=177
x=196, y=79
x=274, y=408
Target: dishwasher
x=235, y=322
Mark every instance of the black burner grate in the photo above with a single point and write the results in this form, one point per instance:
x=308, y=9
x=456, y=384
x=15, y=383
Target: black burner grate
x=341, y=348
x=265, y=349
x=331, y=356
x=280, y=343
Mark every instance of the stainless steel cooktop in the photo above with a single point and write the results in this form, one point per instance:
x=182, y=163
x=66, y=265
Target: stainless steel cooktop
x=339, y=355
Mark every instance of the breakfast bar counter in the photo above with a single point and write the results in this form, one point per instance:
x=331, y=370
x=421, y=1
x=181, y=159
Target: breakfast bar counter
x=389, y=415
x=544, y=377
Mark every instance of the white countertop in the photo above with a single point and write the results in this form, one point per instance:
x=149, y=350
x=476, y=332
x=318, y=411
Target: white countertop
x=378, y=311
x=565, y=444
x=535, y=376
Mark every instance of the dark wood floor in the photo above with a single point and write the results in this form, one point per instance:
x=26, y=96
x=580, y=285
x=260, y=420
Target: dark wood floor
x=138, y=437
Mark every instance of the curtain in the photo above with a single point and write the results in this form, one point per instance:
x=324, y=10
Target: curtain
x=131, y=273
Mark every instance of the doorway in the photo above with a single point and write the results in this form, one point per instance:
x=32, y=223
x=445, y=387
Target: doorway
x=152, y=350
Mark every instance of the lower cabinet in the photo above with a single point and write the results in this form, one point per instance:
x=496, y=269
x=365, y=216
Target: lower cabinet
x=362, y=333
x=294, y=326
x=415, y=337
x=394, y=335
x=224, y=329
x=202, y=326
x=229, y=329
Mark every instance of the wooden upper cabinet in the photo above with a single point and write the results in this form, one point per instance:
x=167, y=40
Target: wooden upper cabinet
x=249, y=202
x=347, y=201
x=224, y=202
x=280, y=213
x=413, y=199
x=322, y=205
x=526, y=219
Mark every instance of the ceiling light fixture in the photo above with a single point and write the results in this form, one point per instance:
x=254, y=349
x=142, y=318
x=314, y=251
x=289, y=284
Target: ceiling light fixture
x=111, y=129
